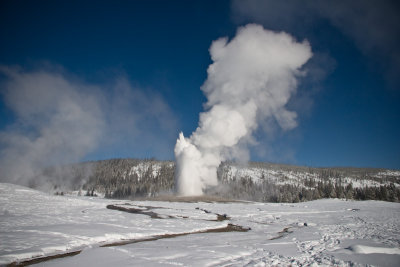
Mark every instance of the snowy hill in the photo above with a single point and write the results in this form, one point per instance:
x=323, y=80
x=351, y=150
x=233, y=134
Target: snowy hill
x=285, y=183
x=265, y=182
x=36, y=227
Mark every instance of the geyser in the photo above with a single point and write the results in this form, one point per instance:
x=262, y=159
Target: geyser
x=250, y=81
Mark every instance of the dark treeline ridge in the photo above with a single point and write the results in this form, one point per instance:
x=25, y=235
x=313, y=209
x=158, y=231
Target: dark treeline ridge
x=133, y=178
x=130, y=178
x=311, y=184
x=246, y=189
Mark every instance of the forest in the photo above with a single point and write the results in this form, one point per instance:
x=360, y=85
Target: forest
x=264, y=182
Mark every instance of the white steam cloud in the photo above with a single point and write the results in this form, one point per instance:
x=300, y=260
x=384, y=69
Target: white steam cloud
x=57, y=121
x=373, y=26
x=60, y=120
x=250, y=81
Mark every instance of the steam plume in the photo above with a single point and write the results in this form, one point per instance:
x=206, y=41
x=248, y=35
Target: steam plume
x=59, y=119
x=250, y=81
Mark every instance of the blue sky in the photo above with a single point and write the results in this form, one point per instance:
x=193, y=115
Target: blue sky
x=157, y=52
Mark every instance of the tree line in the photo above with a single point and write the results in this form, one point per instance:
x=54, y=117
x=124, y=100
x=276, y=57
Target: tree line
x=131, y=178
x=266, y=191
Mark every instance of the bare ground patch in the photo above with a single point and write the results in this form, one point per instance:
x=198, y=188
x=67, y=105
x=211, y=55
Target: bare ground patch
x=282, y=233
x=147, y=212
x=189, y=199
x=228, y=228
x=43, y=259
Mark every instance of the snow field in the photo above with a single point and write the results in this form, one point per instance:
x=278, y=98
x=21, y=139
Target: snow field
x=327, y=232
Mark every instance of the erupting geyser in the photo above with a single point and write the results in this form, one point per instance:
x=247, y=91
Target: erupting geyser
x=250, y=81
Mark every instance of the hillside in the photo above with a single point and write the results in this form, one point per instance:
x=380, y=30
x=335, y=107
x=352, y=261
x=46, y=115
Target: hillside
x=265, y=182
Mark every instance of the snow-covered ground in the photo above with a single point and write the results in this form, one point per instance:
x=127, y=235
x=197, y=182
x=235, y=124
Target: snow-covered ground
x=324, y=232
